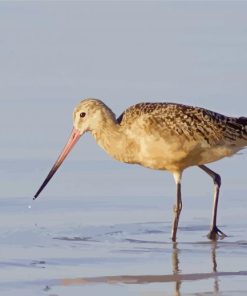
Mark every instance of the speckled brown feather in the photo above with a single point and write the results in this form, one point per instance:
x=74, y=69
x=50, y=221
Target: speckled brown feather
x=194, y=123
x=161, y=136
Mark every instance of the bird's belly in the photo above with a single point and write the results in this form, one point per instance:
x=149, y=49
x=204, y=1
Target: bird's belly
x=176, y=155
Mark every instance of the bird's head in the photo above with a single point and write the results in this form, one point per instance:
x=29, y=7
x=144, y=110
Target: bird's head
x=87, y=116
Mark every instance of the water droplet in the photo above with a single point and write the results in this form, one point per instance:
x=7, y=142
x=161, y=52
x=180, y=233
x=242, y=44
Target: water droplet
x=29, y=206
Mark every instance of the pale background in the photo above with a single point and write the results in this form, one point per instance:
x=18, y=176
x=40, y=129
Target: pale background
x=53, y=54
x=98, y=217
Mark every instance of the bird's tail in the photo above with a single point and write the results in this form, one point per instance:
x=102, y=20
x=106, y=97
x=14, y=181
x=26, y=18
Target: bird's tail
x=236, y=130
x=243, y=122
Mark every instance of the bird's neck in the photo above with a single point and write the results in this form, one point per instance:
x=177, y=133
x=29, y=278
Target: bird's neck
x=108, y=136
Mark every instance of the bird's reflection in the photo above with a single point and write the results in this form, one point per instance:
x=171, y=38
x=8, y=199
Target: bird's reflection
x=177, y=252
x=175, y=267
x=214, y=261
x=177, y=277
x=213, y=255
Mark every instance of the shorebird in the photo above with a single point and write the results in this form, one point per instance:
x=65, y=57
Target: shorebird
x=161, y=136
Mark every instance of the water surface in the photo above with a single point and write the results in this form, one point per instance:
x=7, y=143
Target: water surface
x=109, y=245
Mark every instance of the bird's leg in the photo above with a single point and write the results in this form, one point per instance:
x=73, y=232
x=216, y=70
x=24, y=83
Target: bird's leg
x=177, y=207
x=215, y=233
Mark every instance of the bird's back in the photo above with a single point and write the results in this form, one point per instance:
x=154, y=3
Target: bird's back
x=188, y=121
x=195, y=132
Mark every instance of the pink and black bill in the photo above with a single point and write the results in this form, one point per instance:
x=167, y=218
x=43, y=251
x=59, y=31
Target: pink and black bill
x=74, y=137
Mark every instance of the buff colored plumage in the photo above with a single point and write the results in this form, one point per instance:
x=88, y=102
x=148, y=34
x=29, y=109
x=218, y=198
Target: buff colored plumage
x=163, y=136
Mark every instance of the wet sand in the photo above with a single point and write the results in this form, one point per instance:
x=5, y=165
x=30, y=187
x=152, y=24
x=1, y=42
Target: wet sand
x=119, y=246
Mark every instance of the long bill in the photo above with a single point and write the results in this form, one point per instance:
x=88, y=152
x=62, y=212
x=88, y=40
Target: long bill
x=74, y=137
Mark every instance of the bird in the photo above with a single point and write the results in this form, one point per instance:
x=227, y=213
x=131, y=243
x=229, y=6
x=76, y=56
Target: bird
x=161, y=136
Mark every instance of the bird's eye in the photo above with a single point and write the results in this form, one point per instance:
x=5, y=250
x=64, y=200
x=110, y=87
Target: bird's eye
x=82, y=114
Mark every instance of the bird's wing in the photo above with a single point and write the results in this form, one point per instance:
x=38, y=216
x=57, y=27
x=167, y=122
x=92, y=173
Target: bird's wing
x=192, y=123
x=205, y=125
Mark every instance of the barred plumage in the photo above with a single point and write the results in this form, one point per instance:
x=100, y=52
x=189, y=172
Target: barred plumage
x=163, y=136
x=195, y=122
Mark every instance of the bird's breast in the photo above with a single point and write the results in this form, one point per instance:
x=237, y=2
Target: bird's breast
x=170, y=152
x=177, y=153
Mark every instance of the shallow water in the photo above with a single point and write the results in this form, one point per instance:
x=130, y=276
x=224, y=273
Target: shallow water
x=114, y=245
x=116, y=242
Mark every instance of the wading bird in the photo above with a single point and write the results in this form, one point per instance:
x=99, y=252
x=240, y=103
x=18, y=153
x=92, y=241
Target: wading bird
x=161, y=136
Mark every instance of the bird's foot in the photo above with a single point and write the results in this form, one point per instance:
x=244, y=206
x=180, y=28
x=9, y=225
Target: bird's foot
x=215, y=234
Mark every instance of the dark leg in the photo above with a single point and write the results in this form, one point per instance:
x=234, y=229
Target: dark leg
x=215, y=233
x=177, y=207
